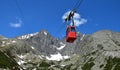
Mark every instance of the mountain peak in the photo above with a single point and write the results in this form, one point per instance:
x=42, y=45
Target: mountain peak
x=27, y=36
x=45, y=32
x=38, y=48
x=103, y=31
x=103, y=34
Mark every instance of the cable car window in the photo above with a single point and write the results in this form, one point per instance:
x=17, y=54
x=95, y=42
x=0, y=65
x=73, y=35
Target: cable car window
x=72, y=29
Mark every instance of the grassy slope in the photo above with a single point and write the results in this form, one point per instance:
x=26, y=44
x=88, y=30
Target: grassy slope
x=7, y=62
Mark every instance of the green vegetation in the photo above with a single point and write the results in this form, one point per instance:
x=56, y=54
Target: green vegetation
x=100, y=46
x=101, y=65
x=112, y=64
x=6, y=62
x=44, y=64
x=117, y=43
x=88, y=65
x=68, y=67
x=94, y=52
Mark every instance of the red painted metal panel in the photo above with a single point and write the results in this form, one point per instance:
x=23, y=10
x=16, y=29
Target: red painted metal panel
x=71, y=34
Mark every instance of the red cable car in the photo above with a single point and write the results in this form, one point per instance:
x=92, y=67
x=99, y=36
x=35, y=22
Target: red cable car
x=71, y=29
x=71, y=34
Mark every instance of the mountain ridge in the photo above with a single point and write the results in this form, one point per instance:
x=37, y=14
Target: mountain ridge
x=93, y=51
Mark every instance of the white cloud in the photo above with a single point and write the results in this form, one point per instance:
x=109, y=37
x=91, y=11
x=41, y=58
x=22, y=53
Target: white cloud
x=78, y=20
x=17, y=24
x=76, y=16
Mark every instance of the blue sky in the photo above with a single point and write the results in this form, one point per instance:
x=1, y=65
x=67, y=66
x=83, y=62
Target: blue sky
x=30, y=16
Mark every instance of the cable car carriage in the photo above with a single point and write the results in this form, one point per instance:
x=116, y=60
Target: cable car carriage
x=71, y=34
x=71, y=29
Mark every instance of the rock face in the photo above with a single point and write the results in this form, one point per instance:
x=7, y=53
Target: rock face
x=41, y=51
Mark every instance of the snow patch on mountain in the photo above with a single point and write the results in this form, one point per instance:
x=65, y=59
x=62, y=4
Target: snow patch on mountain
x=45, y=33
x=61, y=47
x=66, y=57
x=3, y=43
x=82, y=37
x=27, y=36
x=35, y=69
x=21, y=56
x=32, y=47
x=57, y=57
x=62, y=65
x=13, y=41
x=21, y=62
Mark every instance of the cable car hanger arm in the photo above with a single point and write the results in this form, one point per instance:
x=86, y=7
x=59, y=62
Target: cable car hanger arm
x=71, y=14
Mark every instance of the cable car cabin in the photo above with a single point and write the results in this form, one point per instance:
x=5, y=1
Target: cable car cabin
x=71, y=34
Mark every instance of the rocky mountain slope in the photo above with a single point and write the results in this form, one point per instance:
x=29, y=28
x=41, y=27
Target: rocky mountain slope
x=41, y=51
